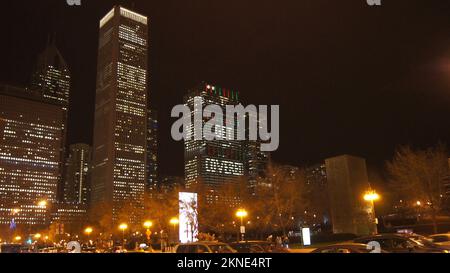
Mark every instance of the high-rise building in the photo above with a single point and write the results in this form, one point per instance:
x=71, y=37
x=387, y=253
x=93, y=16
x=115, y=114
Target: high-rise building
x=68, y=218
x=51, y=79
x=256, y=163
x=316, y=189
x=152, y=150
x=120, y=139
x=217, y=162
x=347, y=183
x=78, y=165
x=31, y=135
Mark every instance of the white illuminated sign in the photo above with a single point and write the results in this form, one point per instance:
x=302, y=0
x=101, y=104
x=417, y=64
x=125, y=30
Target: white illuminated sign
x=306, y=233
x=188, y=227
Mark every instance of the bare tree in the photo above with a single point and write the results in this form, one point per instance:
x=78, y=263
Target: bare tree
x=279, y=200
x=418, y=175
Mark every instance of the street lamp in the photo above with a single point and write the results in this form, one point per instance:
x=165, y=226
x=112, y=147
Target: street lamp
x=37, y=236
x=88, y=232
x=174, y=221
x=371, y=196
x=42, y=203
x=17, y=238
x=148, y=224
x=242, y=213
x=123, y=227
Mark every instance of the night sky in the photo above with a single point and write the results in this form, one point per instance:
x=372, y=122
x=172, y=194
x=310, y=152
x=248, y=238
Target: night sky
x=349, y=78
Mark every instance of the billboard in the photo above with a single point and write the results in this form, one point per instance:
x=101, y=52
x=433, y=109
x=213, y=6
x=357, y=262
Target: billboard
x=188, y=228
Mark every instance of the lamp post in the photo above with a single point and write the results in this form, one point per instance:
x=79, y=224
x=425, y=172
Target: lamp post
x=174, y=222
x=43, y=204
x=17, y=239
x=242, y=213
x=148, y=225
x=371, y=196
x=123, y=227
x=88, y=232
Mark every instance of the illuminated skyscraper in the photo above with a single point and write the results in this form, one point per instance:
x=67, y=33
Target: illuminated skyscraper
x=152, y=150
x=120, y=139
x=256, y=163
x=51, y=79
x=78, y=165
x=31, y=135
x=52, y=76
x=213, y=163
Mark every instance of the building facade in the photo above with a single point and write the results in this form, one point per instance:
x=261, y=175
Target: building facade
x=152, y=150
x=51, y=80
x=77, y=174
x=347, y=183
x=119, y=150
x=214, y=163
x=31, y=136
x=256, y=162
x=69, y=218
x=316, y=189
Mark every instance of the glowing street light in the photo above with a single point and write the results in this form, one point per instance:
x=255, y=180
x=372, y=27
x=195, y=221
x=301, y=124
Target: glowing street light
x=174, y=221
x=371, y=196
x=148, y=224
x=123, y=227
x=88, y=231
x=242, y=213
x=42, y=203
x=37, y=236
x=17, y=238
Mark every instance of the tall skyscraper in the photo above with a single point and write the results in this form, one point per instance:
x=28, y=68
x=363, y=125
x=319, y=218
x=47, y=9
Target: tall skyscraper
x=256, y=163
x=51, y=79
x=31, y=135
x=213, y=163
x=119, y=150
x=78, y=165
x=152, y=150
x=347, y=183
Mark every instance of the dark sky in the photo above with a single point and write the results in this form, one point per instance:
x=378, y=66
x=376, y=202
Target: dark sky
x=349, y=78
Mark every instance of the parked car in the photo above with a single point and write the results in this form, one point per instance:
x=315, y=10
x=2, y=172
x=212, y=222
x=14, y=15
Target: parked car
x=269, y=247
x=248, y=247
x=345, y=248
x=204, y=247
x=442, y=239
x=10, y=248
x=403, y=243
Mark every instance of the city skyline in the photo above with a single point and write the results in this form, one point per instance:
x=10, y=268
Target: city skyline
x=140, y=133
x=360, y=122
